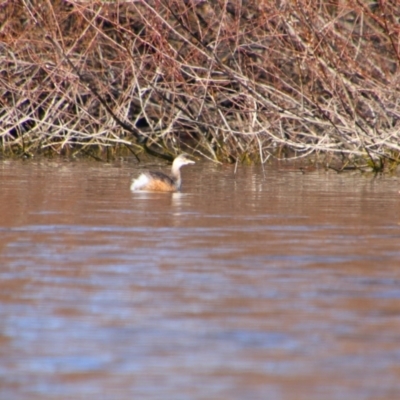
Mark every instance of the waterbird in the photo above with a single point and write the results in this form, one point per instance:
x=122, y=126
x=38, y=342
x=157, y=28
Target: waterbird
x=154, y=181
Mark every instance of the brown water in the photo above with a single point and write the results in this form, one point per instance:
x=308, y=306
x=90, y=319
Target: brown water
x=259, y=285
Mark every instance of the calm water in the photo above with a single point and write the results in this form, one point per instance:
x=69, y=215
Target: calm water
x=256, y=285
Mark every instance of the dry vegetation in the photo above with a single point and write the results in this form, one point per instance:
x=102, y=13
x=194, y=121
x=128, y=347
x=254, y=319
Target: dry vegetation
x=228, y=80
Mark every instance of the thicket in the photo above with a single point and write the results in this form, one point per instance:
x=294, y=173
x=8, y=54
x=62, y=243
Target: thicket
x=237, y=80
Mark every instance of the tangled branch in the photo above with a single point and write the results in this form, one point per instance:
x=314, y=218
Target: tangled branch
x=229, y=80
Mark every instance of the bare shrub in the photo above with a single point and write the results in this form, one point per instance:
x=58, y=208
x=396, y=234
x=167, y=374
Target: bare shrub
x=230, y=80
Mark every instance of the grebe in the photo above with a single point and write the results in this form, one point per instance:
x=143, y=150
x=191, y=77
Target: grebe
x=154, y=181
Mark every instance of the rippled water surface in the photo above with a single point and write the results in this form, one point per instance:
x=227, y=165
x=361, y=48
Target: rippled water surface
x=264, y=284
